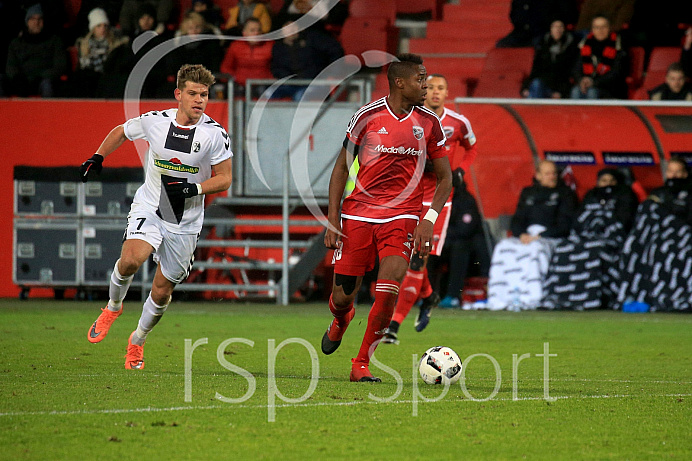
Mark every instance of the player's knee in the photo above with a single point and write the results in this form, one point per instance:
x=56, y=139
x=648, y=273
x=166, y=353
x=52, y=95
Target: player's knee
x=417, y=262
x=346, y=282
x=128, y=265
x=160, y=296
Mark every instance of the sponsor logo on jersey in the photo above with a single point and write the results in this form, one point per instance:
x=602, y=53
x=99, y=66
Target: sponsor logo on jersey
x=398, y=150
x=176, y=165
x=449, y=131
x=418, y=132
x=179, y=139
x=196, y=146
x=383, y=130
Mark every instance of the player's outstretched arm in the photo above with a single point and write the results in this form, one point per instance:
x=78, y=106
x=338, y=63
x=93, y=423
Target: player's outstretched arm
x=337, y=183
x=94, y=164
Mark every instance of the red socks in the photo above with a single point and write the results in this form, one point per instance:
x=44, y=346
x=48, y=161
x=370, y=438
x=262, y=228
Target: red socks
x=425, y=289
x=410, y=289
x=386, y=292
x=342, y=317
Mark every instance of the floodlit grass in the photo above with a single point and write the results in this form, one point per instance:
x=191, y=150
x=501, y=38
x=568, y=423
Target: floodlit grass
x=620, y=386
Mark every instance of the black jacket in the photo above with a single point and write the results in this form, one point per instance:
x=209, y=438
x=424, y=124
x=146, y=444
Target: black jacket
x=553, y=208
x=620, y=200
x=676, y=195
x=553, y=63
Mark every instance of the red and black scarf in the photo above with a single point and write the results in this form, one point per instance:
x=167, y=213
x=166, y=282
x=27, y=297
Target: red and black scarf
x=598, y=64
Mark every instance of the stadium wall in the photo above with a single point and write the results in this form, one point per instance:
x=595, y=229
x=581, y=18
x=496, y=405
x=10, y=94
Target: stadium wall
x=512, y=135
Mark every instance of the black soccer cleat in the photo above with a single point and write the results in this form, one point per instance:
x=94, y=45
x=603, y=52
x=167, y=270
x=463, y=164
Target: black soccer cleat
x=390, y=336
x=426, y=308
x=329, y=346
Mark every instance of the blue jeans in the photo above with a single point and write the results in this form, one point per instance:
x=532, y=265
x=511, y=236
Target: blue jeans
x=538, y=89
x=591, y=93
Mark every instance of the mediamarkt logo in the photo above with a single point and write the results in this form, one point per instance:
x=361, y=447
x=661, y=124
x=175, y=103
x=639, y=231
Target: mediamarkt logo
x=399, y=150
x=176, y=165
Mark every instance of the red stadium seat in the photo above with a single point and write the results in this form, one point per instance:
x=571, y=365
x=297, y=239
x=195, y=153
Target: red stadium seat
x=368, y=9
x=467, y=30
x=504, y=71
x=476, y=12
x=427, y=46
x=660, y=59
x=635, y=76
x=461, y=73
x=364, y=34
x=433, y=7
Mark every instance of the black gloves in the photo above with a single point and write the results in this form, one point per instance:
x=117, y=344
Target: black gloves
x=181, y=189
x=458, y=177
x=94, y=164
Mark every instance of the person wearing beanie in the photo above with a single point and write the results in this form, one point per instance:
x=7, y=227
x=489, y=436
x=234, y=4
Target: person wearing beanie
x=129, y=14
x=93, y=50
x=36, y=59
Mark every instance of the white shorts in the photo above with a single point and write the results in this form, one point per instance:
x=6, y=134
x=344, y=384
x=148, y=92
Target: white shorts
x=174, y=253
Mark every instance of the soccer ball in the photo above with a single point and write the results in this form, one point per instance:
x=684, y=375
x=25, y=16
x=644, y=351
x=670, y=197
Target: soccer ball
x=440, y=365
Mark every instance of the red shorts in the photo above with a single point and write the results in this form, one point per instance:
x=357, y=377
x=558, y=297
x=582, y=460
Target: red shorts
x=363, y=242
x=440, y=228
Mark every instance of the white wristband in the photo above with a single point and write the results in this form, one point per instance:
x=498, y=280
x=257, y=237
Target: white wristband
x=431, y=215
x=199, y=189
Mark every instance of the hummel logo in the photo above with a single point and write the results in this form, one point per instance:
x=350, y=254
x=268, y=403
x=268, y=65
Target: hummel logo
x=382, y=131
x=411, y=289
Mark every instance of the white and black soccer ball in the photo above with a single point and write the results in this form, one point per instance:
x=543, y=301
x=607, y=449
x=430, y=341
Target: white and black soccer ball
x=440, y=365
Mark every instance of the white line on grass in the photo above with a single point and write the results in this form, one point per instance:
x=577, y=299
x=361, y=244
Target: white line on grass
x=313, y=404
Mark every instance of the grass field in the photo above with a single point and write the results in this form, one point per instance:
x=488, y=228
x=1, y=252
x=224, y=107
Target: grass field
x=621, y=384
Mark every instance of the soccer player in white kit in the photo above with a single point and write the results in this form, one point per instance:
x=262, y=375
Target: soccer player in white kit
x=185, y=147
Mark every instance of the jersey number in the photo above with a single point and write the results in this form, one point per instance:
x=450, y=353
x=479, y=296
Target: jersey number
x=141, y=222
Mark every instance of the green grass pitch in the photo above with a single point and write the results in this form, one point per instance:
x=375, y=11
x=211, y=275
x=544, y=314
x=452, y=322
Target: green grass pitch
x=619, y=386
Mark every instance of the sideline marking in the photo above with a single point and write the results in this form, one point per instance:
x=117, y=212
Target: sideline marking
x=316, y=404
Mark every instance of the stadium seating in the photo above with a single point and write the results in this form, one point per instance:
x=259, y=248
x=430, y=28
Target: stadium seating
x=462, y=72
x=660, y=59
x=431, y=7
x=635, y=76
x=426, y=46
x=504, y=71
x=467, y=30
x=476, y=11
x=367, y=9
x=364, y=34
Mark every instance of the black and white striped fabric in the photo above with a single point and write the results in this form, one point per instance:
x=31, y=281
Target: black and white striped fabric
x=582, y=271
x=656, y=262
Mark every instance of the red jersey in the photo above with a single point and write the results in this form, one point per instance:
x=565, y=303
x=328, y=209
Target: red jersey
x=458, y=131
x=392, y=152
x=244, y=60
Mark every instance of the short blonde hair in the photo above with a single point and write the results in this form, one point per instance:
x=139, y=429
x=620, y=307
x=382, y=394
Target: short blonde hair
x=195, y=73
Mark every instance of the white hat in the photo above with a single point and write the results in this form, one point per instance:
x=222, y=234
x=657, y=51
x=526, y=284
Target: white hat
x=97, y=16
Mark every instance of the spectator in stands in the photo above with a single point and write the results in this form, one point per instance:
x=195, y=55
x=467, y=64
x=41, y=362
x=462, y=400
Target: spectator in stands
x=93, y=50
x=676, y=192
x=209, y=11
x=248, y=58
x=544, y=213
x=331, y=19
x=245, y=9
x=122, y=59
x=206, y=52
x=129, y=15
x=531, y=19
x=303, y=55
x=619, y=11
x=81, y=27
x=553, y=63
x=36, y=59
x=675, y=87
x=601, y=70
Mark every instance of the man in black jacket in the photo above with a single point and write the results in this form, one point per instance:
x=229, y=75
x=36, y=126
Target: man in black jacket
x=546, y=208
x=519, y=265
x=676, y=193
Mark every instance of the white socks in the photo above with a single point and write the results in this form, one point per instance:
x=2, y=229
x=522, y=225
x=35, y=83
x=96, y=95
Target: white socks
x=151, y=314
x=118, y=289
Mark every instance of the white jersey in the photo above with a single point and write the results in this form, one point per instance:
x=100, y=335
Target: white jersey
x=177, y=153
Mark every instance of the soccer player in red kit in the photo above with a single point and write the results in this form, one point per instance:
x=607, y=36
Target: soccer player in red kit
x=392, y=138
x=416, y=284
